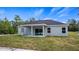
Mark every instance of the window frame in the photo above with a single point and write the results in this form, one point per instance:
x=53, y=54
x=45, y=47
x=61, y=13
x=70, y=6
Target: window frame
x=63, y=30
x=48, y=30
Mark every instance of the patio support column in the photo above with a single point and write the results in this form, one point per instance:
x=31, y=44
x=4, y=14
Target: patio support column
x=43, y=31
x=31, y=30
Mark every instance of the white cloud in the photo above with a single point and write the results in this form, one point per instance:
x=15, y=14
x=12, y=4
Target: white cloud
x=38, y=12
x=47, y=18
x=65, y=10
x=53, y=10
x=63, y=14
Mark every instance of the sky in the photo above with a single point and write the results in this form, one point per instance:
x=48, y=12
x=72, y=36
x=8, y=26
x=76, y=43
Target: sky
x=61, y=14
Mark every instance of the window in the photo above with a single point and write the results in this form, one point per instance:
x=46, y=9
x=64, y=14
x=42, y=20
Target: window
x=48, y=30
x=63, y=30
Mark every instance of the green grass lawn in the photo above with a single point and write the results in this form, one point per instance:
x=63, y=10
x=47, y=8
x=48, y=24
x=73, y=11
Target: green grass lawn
x=69, y=43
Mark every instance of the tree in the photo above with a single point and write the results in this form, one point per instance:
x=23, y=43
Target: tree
x=5, y=27
x=17, y=21
x=72, y=25
x=32, y=19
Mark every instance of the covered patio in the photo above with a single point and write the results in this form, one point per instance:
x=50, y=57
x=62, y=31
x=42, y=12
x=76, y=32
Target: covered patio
x=33, y=30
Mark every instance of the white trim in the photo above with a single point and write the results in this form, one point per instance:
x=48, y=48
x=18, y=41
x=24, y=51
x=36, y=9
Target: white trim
x=31, y=30
x=33, y=25
x=35, y=36
x=43, y=31
x=43, y=25
x=58, y=25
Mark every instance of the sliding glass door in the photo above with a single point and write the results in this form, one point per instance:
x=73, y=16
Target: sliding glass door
x=38, y=32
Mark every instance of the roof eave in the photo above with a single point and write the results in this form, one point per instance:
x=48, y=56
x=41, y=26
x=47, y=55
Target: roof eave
x=34, y=25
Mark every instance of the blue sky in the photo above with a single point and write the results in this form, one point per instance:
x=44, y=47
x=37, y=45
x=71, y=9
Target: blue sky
x=56, y=13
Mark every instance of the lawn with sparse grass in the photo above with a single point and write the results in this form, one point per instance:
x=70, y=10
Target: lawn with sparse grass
x=69, y=43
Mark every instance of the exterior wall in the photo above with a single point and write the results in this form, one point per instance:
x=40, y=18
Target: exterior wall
x=57, y=31
x=27, y=31
x=19, y=30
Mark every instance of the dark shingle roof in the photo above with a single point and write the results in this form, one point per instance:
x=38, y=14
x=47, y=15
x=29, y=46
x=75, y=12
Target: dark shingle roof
x=48, y=22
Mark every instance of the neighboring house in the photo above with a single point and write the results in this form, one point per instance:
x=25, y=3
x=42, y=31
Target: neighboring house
x=43, y=28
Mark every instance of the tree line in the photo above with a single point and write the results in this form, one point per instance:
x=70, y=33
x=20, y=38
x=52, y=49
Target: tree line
x=73, y=25
x=11, y=27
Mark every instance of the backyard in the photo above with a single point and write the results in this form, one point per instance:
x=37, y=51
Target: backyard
x=69, y=43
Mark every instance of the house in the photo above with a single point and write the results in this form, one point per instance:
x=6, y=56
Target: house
x=43, y=28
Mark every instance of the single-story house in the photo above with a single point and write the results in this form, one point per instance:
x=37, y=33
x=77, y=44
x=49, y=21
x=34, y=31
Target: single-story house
x=43, y=28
